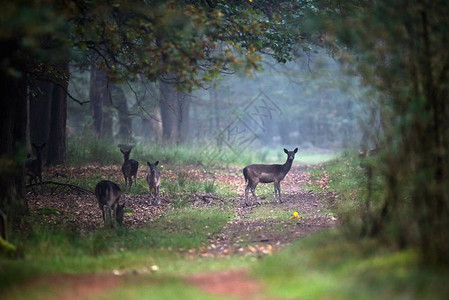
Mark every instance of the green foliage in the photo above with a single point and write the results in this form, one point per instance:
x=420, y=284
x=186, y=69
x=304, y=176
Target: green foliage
x=326, y=265
x=398, y=49
x=60, y=250
x=7, y=249
x=209, y=187
x=191, y=153
x=87, y=149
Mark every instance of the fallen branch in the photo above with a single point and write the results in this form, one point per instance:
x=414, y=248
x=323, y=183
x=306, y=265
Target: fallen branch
x=71, y=186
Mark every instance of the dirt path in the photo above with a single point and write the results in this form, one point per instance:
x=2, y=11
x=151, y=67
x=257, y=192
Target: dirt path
x=247, y=234
x=262, y=236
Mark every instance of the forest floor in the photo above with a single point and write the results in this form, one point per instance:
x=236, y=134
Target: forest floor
x=262, y=235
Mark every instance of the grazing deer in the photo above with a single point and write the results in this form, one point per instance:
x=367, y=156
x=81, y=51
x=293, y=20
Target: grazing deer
x=154, y=180
x=33, y=166
x=129, y=168
x=108, y=194
x=266, y=174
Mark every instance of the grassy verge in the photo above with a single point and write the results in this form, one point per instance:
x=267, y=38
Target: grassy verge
x=84, y=150
x=338, y=264
x=329, y=266
x=165, y=244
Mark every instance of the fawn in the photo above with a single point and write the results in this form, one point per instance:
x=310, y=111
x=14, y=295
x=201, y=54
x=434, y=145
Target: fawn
x=154, y=180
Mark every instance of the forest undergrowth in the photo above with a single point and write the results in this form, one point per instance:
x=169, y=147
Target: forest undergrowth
x=202, y=231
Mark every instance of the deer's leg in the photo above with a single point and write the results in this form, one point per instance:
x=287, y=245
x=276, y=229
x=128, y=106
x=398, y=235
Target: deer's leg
x=102, y=214
x=157, y=195
x=114, y=215
x=106, y=215
x=40, y=182
x=246, y=193
x=279, y=191
x=275, y=192
x=253, y=191
x=277, y=186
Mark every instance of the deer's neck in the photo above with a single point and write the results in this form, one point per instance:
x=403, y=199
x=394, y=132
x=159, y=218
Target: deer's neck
x=287, y=166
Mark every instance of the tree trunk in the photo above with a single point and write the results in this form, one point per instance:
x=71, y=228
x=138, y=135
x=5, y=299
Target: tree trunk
x=40, y=112
x=156, y=124
x=125, y=125
x=97, y=96
x=183, y=121
x=169, y=112
x=108, y=113
x=13, y=119
x=56, y=153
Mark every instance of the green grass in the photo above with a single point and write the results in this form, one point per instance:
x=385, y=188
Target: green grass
x=278, y=156
x=87, y=149
x=350, y=181
x=163, y=243
x=328, y=266
x=271, y=212
x=313, y=158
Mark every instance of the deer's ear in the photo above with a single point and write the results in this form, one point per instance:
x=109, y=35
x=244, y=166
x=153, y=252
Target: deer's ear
x=121, y=150
x=156, y=163
x=296, y=150
x=148, y=163
x=43, y=145
x=285, y=150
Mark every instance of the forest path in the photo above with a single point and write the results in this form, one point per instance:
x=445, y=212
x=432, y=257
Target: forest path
x=256, y=231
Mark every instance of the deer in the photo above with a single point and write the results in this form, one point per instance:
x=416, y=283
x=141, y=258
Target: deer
x=33, y=166
x=129, y=168
x=258, y=173
x=108, y=195
x=154, y=180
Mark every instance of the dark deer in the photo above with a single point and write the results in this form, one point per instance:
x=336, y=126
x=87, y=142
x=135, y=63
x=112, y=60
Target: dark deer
x=129, y=168
x=154, y=180
x=108, y=194
x=33, y=166
x=266, y=174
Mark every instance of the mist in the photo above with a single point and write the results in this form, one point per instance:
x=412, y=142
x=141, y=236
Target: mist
x=310, y=102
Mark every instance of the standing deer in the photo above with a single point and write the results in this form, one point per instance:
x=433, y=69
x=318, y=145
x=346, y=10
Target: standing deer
x=108, y=194
x=154, y=180
x=33, y=166
x=129, y=168
x=267, y=173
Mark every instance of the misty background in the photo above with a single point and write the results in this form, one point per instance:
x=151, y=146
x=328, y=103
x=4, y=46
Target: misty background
x=310, y=102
